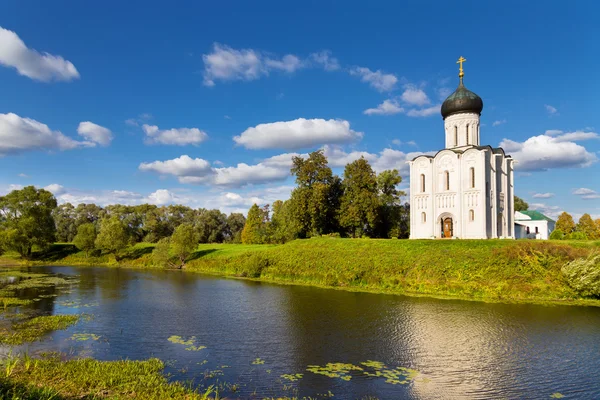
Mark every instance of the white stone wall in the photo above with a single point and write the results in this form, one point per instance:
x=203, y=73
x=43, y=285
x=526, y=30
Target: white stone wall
x=458, y=127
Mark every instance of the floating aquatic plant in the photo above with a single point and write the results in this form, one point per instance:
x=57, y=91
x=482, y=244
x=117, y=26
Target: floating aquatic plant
x=82, y=337
x=190, y=343
x=557, y=395
x=394, y=376
x=258, y=361
x=76, y=304
x=292, y=377
x=335, y=370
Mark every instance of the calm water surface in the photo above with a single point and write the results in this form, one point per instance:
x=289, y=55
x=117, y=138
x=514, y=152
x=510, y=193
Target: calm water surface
x=461, y=349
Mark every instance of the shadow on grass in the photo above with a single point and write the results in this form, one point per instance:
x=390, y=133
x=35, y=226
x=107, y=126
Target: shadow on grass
x=137, y=253
x=199, y=254
x=55, y=252
x=14, y=390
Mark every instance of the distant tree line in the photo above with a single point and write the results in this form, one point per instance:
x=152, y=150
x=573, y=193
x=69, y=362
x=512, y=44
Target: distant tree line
x=361, y=204
x=31, y=218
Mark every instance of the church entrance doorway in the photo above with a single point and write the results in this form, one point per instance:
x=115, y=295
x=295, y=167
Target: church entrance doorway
x=447, y=224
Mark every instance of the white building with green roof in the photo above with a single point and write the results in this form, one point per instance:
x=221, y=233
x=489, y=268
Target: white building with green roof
x=533, y=225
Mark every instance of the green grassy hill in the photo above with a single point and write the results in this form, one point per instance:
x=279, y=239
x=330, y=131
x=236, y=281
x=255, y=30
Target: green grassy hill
x=497, y=270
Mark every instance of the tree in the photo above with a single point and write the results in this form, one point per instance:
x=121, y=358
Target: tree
x=211, y=226
x=283, y=227
x=557, y=234
x=66, y=223
x=359, y=210
x=86, y=237
x=235, y=225
x=161, y=255
x=183, y=242
x=565, y=223
x=253, y=232
x=520, y=204
x=587, y=226
x=26, y=218
x=112, y=237
x=389, y=199
x=315, y=200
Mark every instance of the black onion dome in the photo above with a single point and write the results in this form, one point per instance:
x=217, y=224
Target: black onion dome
x=462, y=100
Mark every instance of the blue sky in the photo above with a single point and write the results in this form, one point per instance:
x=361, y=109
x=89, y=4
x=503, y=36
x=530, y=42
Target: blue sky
x=205, y=104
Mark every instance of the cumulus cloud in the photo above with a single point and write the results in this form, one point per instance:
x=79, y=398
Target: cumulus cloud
x=499, y=122
x=19, y=135
x=378, y=80
x=95, y=133
x=43, y=67
x=225, y=63
x=543, y=195
x=586, y=194
x=576, y=136
x=325, y=59
x=140, y=119
x=424, y=112
x=162, y=197
x=181, y=167
x=414, y=96
x=548, y=210
x=543, y=152
x=55, y=189
x=551, y=110
x=388, y=107
x=179, y=136
x=296, y=134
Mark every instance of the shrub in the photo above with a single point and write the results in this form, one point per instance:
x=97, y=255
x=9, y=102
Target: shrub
x=557, y=234
x=583, y=275
x=578, y=236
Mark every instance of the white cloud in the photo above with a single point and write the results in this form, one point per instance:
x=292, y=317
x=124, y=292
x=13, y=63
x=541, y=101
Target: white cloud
x=162, y=197
x=381, y=81
x=32, y=64
x=549, y=211
x=228, y=64
x=338, y=158
x=95, y=133
x=140, y=119
x=499, y=122
x=22, y=175
x=388, y=107
x=296, y=134
x=544, y=152
x=289, y=63
x=587, y=194
x=414, y=96
x=543, y=195
x=444, y=92
x=325, y=59
x=179, y=137
x=576, y=136
x=424, y=112
x=551, y=110
x=18, y=135
x=180, y=167
x=553, y=132
x=55, y=189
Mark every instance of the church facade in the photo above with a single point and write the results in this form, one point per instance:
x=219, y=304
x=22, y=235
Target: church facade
x=466, y=190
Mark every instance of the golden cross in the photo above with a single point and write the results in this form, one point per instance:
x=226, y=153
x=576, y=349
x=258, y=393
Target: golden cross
x=460, y=61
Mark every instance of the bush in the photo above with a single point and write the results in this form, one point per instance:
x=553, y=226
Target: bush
x=583, y=275
x=578, y=236
x=557, y=234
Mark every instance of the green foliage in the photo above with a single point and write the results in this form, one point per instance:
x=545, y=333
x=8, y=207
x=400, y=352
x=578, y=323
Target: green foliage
x=235, y=225
x=85, y=239
x=520, y=204
x=183, y=242
x=161, y=255
x=557, y=234
x=393, y=218
x=577, y=236
x=65, y=220
x=359, y=210
x=36, y=328
x=26, y=219
x=565, y=223
x=583, y=275
x=254, y=229
x=211, y=226
x=587, y=226
x=113, y=236
x=283, y=226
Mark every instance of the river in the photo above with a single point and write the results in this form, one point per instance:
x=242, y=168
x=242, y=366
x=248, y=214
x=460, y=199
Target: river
x=216, y=331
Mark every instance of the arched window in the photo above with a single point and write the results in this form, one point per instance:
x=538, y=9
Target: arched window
x=423, y=217
x=472, y=175
x=447, y=179
x=471, y=215
x=467, y=135
x=456, y=136
x=422, y=183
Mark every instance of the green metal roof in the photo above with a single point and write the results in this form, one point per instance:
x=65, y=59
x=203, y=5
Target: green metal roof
x=536, y=216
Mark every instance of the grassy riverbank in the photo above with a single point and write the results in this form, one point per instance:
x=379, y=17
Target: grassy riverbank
x=490, y=270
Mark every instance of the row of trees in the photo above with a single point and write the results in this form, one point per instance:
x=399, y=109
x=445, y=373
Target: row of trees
x=31, y=218
x=363, y=203
x=585, y=229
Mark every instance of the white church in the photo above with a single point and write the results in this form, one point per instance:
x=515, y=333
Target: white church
x=466, y=190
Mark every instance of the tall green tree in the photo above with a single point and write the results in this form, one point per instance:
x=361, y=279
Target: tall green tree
x=316, y=199
x=565, y=223
x=253, y=232
x=520, y=204
x=113, y=236
x=587, y=225
x=26, y=219
x=359, y=210
x=283, y=226
x=389, y=198
x=235, y=225
x=183, y=242
x=65, y=219
x=211, y=226
x=85, y=239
